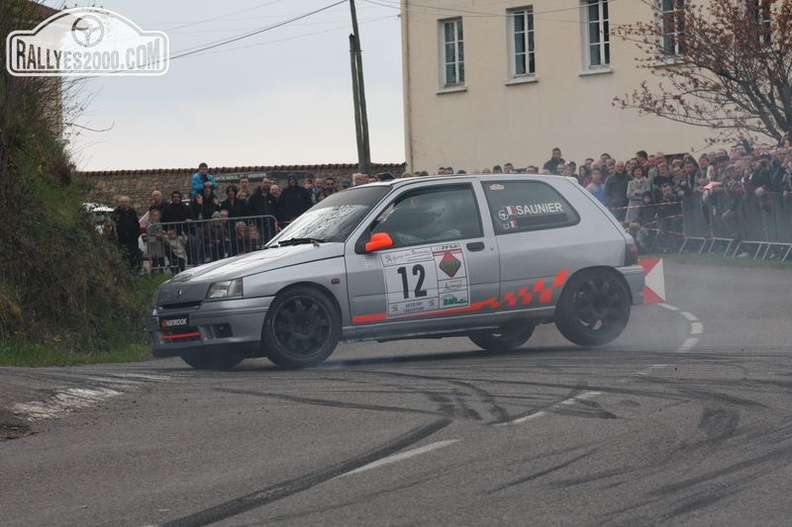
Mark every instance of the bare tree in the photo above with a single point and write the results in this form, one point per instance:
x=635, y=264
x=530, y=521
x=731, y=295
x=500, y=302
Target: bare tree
x=721, y=64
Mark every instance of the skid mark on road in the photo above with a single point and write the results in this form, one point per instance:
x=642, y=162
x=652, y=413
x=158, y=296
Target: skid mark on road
x=696, y=328
x=401, y=457
x=289, y=488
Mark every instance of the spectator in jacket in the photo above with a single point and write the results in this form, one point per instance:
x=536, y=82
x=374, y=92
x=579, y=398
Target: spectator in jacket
x=637, y=188
x=216, y=237
x=176, y=246
x=552, y=164
x=616, y=191
x=294, y=200
x=201, y=180
x=204, y=205
x=155, y=242
x=596, y=187
x=669, y=216
x=157, y=202
x=643, y=225
x=235, y=207
x=263, y=203
x=127, y=232
x=176, y=213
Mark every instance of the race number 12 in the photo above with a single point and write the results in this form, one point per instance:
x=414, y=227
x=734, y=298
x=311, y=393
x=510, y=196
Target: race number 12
x=417, y=270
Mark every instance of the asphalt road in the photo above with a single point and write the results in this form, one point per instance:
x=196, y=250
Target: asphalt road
x=685, y=420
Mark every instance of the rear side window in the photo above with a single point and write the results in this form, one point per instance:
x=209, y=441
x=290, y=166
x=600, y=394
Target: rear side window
x=520, y=206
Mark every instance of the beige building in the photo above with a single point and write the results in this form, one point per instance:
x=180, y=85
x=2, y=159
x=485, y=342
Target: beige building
x=488, y=82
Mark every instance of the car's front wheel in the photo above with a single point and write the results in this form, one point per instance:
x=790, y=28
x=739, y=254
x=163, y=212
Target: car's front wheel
x=506, y=338
x=302, y=328
x=594, y=308
x=211, y=360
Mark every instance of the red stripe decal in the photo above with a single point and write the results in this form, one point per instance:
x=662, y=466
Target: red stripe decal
x=181, y=336
x=510, y=299
x=375, y=317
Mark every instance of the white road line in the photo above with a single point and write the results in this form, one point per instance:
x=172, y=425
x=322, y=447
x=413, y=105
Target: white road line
x=565, y=402
x=523, y=419
x=690, y=316
x=688, y=345
x=400, y=457
x=669, y=307
x=696, y=328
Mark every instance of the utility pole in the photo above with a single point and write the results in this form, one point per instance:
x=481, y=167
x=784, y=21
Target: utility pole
x=359, y=94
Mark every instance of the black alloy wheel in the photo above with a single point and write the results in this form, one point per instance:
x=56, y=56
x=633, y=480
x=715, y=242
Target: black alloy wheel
x=302, y=328
x=594, y=308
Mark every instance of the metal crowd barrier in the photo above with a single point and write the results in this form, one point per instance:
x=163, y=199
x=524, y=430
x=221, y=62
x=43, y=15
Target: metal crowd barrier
x=175, y=246
x=750, y=226
x=755, y=226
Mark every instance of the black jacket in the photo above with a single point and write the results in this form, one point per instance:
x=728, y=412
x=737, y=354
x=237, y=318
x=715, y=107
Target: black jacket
x=237, y=209
x=126, y=225
x=176, y=213
x=264, y=204
x=616, y=190
x=293, y=201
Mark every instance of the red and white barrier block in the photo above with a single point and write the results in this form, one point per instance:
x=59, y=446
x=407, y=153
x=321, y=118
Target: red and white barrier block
x=654, y=286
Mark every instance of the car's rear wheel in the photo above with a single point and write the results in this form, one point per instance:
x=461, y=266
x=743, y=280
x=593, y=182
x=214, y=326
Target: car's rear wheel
x=302, y=328
x=212, y=360
x=508, y=337
x=594, y=308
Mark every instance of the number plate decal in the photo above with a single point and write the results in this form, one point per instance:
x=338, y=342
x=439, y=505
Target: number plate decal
x=425, y=280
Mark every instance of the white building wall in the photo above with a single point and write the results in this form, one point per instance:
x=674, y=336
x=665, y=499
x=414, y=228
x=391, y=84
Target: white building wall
x=493, y=121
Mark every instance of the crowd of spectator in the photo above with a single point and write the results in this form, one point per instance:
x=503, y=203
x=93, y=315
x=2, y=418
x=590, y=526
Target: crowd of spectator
x=645, y=192
x=205, y=227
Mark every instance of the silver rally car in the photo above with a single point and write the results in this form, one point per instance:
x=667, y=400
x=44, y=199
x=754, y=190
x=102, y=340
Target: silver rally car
x=483, y=256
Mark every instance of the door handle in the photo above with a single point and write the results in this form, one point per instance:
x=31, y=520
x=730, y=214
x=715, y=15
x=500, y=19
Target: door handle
x=475, y=246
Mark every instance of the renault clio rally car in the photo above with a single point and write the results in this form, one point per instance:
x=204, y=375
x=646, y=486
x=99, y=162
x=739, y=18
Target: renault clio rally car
x=483, y=256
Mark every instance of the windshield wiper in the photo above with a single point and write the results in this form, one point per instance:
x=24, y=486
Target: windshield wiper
x=301, y=241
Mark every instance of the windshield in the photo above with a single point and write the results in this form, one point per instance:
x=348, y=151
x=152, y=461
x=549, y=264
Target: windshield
x=334, y=218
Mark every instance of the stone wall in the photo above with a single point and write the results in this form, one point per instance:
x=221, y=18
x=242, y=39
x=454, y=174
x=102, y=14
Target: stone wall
x=107, y=186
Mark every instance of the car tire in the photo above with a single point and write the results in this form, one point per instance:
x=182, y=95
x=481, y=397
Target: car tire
x=302, y=328
x=212, y=360
x=507, y=338
x=594, y=308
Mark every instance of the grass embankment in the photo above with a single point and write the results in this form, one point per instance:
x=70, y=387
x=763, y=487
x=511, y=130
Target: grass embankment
x=66, y=295
x=118, y=344
x=21, y=354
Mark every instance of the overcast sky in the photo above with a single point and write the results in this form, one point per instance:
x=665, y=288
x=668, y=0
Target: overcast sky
x=281, y=97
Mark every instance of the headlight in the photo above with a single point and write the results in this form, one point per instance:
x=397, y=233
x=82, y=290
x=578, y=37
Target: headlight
x=227, y=289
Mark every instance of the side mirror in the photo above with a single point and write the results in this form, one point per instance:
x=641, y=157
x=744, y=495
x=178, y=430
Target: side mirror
x=379, y=240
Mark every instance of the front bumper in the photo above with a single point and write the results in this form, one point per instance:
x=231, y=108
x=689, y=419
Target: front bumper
x=634, y=275
x=233, y=324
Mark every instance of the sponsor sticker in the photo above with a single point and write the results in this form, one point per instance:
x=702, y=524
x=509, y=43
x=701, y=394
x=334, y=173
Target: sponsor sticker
x=174, y=322
x=426, y=279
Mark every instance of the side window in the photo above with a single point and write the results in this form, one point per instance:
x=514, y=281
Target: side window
x=520, y=206
x=430, y=215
